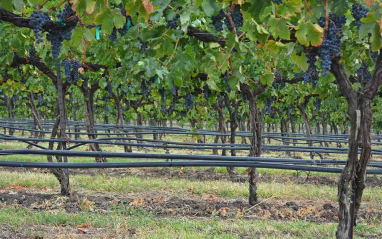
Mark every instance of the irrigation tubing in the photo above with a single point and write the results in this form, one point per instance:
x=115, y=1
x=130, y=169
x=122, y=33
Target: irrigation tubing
x=173, y=156
x=176, y=164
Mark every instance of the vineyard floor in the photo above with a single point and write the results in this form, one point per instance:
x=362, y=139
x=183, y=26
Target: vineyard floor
x=175, y=202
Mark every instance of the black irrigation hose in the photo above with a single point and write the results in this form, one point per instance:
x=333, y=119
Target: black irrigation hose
x=176, y=164
x=173, y=157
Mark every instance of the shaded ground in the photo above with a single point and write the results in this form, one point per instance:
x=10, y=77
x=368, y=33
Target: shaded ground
x=194, y=206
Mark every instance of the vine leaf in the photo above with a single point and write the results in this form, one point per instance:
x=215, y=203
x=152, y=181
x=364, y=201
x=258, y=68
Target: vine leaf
x=309, y=33
x=278, y=27
x=106, y=19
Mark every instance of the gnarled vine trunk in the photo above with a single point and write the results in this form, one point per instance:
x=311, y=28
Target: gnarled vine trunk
x=90, y=123
x=353, y=177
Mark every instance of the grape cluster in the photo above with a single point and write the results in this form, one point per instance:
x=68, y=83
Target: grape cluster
x=33, y=54
x=226, y=79
x=40, y=101
x=189, y=101
x=170, y=110
x=109, y=88
x=237, y=18
x=278, y=2
x=143, y=46
x=269, y=105
x=364, y=74
x=113, y=35
x=37, y=21
x=358, y=11
x=314, y=84
x=144, y=89
x=71, y=70
x=206, y=91
x=331, y=44
x=217, y=21
x=317, y=103
x=173, y=23
x=63, y=15
x=5, y=75
x=312, y=72
x=56, y=37
x=174, y=89
x=162, y=94
x=14, y=99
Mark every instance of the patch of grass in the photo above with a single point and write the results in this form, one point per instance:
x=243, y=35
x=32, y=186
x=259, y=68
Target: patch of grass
x=285, y=191
x=147, y=226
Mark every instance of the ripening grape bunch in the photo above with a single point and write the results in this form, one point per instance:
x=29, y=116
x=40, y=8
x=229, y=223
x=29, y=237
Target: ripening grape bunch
x=226, y=79
x=189, y=101
x=109, y=88
x=206, y=91
x=237, y=18
x=162, y=94
x=317, y=103
x=5, y=75
x=217, y=21
x=66, y=13
x=37, y=21
x=278, y=2
x=33, y=54
x=174, y=89
x=113, y=35
x=358, y=11
x=364, y=74
x=311, y=73
x=71, y=70
x=331, y=44
x=163, y=109
x=173, y=23
x=144, y=89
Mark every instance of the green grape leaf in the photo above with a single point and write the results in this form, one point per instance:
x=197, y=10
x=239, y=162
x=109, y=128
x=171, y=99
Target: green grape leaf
x=266, y=79
x=278, y=28
x=300, y=61
x=308, y=33
x=106, y=19
x=210, y=7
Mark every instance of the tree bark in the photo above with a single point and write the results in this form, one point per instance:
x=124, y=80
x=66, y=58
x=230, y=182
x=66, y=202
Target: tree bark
x=62, y=178
x=90, y=123
x=256, y=130
x=352, y=181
